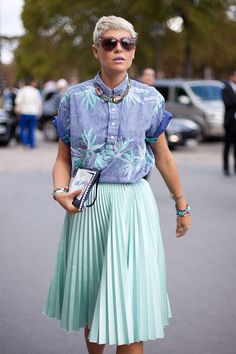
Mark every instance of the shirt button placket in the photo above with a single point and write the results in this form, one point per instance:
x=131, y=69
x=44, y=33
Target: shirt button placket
x=112, y=132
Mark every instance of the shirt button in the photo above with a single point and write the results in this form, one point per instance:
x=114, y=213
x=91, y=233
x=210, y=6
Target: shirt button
x=112, y=123
x=112, y=137
x=113, y=110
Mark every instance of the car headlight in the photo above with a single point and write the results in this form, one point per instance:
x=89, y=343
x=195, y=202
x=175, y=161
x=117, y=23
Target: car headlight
x=173, y=138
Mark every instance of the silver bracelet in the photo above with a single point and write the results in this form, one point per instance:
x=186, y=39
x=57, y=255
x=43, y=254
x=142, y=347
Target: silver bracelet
x=176, y=197
x=60, y=190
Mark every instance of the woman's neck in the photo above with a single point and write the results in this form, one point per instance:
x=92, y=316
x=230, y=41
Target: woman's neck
x=110, y=80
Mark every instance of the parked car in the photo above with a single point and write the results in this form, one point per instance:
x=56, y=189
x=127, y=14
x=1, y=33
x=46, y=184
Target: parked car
x=51, y=101
x=7, y=127
x=179, y=131
x=52, y=94
x=197, y=100
x=45, y=124
x=182, y=132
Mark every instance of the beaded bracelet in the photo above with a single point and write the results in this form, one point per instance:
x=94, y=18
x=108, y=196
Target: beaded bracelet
x=183, y=212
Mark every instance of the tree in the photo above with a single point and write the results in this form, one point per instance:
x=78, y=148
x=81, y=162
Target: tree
x=58, y=36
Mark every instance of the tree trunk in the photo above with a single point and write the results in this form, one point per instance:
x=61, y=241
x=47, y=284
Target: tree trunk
x=188, y=65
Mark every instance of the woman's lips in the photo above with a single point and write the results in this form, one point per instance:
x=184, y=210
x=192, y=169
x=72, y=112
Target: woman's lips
x=118, y=59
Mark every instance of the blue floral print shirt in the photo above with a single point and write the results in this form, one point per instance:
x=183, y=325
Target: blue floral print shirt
x=113, y=138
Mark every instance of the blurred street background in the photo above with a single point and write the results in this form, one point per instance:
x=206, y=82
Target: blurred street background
x=189, y=45
x=200, y=267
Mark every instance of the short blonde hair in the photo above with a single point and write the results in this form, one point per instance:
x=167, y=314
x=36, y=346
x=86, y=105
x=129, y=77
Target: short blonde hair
x=106, y=23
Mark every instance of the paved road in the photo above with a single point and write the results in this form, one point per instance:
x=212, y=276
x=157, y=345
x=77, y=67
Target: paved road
x=201, y=266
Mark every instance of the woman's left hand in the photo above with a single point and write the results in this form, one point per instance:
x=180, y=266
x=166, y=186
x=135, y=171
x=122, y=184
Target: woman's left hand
x=183, y=224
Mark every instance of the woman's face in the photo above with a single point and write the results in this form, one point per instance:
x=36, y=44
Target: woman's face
x=118, y=60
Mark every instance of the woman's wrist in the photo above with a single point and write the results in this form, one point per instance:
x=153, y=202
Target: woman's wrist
x=183, y=212
x=179, y=199
x=59, y=190
x=181, y=205
x=176, y=197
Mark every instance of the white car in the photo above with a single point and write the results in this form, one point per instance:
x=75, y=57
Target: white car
x=197, y=100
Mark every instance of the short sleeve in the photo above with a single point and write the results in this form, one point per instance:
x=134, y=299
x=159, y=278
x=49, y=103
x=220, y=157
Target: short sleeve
x=160, y=119
x=62, y=120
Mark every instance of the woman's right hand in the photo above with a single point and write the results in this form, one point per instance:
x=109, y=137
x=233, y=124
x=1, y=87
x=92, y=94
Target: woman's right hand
x=66, y=199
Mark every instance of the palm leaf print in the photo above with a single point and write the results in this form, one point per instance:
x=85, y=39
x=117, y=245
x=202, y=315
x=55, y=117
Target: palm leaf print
x=132, y=161
x=121, y=146
x=87, y=141
x=89, y=97
x=157, y=102
x=77, y=162
x=133, y=97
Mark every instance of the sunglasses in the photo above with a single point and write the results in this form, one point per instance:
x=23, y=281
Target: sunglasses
x=110, y=43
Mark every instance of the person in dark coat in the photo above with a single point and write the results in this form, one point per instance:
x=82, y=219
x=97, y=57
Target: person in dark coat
x=229, y=99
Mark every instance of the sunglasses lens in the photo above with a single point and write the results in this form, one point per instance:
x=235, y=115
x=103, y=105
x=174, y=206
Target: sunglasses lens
x=128, y=43
x=108, y=44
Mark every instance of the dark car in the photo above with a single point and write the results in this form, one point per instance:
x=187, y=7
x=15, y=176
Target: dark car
x=51, y=101
x=7, y=127
x=179, y=132
x=182, y=131
x=45, y=124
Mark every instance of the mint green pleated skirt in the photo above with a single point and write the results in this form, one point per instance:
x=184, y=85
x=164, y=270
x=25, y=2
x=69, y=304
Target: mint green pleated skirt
x=110, y=273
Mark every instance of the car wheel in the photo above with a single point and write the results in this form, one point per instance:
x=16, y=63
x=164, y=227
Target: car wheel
x=50, y=132
x=4, y=143
x=202, y=136
x=7, y=138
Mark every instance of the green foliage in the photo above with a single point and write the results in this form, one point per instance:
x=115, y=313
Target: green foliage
x=58, y=36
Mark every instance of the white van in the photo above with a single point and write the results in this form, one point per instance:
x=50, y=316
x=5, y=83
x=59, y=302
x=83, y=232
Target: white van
x=198, y=100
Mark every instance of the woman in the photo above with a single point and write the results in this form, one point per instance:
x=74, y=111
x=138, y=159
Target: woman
x=110, y=272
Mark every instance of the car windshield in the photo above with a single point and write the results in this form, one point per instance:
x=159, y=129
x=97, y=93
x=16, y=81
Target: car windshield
x=207, y=92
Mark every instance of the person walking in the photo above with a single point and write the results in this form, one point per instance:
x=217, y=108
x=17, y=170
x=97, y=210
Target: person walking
x=110, y=273
x=28, y=106
x=229, y=99
x=148, y=76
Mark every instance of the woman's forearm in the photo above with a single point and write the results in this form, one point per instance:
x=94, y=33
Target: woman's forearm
x=168, y=169
x=61, y=179
x=61, y=174
x=62, y=168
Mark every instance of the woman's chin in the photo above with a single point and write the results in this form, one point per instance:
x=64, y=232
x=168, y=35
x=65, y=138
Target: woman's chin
x=117, y=68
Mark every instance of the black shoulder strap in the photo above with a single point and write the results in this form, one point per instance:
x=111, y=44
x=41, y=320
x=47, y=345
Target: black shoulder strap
x=95, y=195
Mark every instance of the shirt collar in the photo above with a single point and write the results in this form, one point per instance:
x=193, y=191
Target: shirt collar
x=116, y=90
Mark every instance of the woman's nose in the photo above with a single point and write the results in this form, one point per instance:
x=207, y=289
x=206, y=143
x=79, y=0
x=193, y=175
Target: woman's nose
x=118, y=47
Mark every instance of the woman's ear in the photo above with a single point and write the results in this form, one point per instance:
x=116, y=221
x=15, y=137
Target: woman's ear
x=134, y=53
x=95, y=51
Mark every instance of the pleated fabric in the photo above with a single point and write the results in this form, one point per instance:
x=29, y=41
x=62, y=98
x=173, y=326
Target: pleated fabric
x=110, y=273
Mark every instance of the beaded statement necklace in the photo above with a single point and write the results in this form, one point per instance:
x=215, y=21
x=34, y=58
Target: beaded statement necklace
x=114, y=99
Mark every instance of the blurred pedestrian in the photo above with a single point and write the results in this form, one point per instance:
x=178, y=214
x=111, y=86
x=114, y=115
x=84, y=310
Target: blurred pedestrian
x=148, y=76
x=61, y=85
x=28, y=106
x=229, y=98
x=52, y=94
x=9, y=107
x=110, y=275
